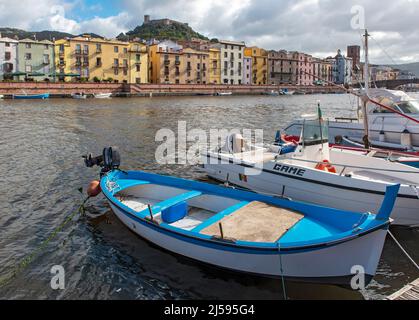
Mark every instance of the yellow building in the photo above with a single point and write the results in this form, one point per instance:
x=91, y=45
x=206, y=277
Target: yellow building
x=214, y=66
x=94, y=59
x=170, y=63
x=259, y=64
x=195, y=66
x=165, y=63
x=138, y=63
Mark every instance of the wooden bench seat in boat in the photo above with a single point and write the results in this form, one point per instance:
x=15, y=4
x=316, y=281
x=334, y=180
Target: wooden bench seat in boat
x=255, y=222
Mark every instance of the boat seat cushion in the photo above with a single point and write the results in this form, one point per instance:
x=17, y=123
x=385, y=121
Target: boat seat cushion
x=255, y=222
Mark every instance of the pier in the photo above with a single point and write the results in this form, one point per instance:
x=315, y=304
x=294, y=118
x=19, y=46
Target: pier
x=66, y=89
x=409, y=292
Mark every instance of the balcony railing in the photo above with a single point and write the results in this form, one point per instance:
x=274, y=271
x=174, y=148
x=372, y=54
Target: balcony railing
x=177, y=62
x=120, y=66
x=81, y=52
x=166, y=62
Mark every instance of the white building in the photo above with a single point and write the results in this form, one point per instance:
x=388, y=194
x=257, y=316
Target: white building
x=8, y=57
x=232, y=54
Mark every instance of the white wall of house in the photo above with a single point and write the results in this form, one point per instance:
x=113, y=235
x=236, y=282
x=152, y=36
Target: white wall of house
x=232, y=61
x=8, y=56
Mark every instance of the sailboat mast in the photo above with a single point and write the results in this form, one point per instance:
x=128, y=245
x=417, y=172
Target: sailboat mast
x=366, y=88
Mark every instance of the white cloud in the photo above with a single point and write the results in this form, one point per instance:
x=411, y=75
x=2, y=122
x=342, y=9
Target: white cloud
x=313, y=26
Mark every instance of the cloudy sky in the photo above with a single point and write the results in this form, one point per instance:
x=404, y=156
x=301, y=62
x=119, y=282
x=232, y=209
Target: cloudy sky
x=318, y=27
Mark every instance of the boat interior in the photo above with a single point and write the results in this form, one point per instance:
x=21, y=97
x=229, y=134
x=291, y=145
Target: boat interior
x=216, y=216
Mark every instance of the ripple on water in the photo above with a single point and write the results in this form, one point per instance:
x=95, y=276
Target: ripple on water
x=41, y=170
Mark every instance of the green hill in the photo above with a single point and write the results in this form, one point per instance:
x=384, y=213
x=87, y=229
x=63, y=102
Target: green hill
x=163, y=29
x=41, y=35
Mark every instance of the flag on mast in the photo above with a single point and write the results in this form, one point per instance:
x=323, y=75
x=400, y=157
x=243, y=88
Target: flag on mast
x=319, y=111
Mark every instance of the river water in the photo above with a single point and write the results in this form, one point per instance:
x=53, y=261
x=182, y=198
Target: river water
x=41, y=170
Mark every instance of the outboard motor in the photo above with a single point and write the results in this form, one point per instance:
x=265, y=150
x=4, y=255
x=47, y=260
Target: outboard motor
x=108, y=161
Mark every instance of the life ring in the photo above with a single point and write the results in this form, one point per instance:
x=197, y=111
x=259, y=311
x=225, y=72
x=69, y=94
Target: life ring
x=325, y=166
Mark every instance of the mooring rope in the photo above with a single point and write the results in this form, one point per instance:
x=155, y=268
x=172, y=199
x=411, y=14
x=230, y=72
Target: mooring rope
x=284, y=291
x=403, y=250
x=29, y=259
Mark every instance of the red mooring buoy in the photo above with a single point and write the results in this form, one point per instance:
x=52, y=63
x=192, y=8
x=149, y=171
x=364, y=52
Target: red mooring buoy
x=94, y=189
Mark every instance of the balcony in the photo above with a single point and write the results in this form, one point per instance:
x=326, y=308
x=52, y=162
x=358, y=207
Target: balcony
x=120, y=66
x=166, y=62
x=138, y=50
x=61, y=54
x=98, y=50
x=177, y=62
x=85, y=63
x=81, y=52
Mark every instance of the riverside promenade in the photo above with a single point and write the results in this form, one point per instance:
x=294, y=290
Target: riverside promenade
x=65, y=89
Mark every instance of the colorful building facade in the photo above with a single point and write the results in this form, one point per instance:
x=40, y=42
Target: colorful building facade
x=259, y=65
x=165, y=63
x=282, y=67
x=138, y=63
x=232, y=53
x=8, y=58
x=94, y=59
x=214, y=66
x=36, y=59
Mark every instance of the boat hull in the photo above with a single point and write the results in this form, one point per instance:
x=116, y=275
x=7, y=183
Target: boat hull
x=312, y=188
x=329, y=264
x=31, y=96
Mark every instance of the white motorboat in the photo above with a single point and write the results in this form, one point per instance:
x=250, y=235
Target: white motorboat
x=386, y=129
x=79, y=96
x=225, y=93
x=102, y=95
x=286, y=92
x=312, y=172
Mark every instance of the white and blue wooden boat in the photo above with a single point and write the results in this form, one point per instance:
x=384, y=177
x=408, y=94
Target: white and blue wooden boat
x=245, y=231
x=41, y=96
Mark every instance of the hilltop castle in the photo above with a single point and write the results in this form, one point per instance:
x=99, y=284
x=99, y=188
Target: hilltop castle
x=166, y=21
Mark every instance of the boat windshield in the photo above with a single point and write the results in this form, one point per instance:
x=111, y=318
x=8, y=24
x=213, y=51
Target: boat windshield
x=406, y=106
x=410, y=106
x=315, y=132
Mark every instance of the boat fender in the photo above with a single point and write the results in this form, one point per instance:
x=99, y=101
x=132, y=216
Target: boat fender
x=325, y=166
x=94, y=189
x=382, y=136
x=406, y=138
